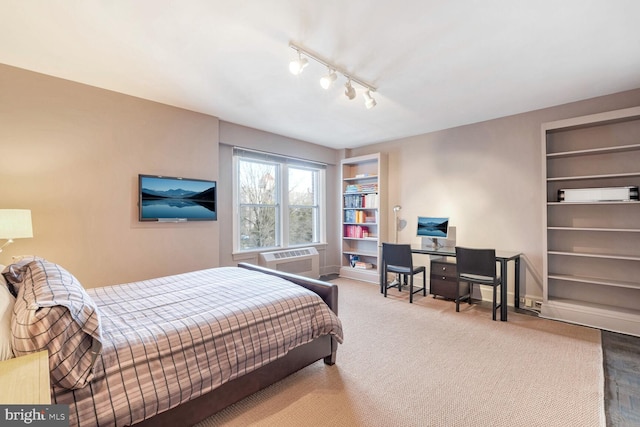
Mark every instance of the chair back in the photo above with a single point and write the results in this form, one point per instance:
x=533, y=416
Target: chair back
x=481, y=262
x=397, y=254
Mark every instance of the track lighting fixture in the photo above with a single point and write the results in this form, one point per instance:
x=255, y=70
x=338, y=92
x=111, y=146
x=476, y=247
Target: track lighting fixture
x=326, y=81
x=349, y=91
x=297, y=65
x=369, y=102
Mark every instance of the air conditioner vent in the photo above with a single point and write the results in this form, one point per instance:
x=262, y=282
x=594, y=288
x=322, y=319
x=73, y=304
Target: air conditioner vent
x=303, y=261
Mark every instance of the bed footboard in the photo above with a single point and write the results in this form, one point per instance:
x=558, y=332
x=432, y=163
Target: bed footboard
x=327, y=291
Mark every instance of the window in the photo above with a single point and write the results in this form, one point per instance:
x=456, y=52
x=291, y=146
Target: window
x=279, y=201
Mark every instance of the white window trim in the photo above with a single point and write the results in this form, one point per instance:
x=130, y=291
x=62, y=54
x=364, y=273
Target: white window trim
x=283, y=195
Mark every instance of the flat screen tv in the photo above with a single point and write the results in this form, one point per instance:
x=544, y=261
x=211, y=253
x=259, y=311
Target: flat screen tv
x=434, y=228
x=170, y=199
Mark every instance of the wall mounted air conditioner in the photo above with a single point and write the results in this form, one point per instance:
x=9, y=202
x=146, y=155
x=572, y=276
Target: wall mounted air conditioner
x=303, y=261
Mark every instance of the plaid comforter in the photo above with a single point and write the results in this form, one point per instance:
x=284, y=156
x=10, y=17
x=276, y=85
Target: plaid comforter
x=172, y=339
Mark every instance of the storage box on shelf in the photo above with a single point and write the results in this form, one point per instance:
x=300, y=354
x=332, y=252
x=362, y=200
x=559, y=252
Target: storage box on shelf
x=592, y=244
x=363, y=218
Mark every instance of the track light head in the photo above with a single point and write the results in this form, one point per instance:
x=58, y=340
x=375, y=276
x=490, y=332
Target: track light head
x=349, y=91
x=369, y=102
x=326, y=81
x=297, y=65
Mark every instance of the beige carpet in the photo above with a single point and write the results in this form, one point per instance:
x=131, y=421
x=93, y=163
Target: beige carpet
x=426, y=365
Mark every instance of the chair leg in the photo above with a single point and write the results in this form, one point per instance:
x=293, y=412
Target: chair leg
x=495, y=308
x=411, y=289
x=424, y=284
x=385, y=286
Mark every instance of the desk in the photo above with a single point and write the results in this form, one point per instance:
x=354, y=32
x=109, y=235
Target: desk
x=503, y=257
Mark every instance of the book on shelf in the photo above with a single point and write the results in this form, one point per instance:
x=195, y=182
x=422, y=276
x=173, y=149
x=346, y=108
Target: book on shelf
x=369, y=201
x=354, y=216
x=361, y=188
x=363, y=265
x=356, y=231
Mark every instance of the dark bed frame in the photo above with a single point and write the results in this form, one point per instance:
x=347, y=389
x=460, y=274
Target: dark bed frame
x=324, y=347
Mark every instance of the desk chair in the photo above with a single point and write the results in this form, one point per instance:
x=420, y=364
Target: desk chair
x=477, y=266
x=397, y=258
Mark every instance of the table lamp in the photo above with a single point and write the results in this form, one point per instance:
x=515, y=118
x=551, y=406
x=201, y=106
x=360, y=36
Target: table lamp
x=15, y=224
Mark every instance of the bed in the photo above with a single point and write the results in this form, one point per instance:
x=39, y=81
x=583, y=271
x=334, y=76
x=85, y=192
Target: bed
x=172, y=350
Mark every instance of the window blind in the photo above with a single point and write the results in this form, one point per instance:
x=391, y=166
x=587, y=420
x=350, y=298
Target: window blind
x=270, y=157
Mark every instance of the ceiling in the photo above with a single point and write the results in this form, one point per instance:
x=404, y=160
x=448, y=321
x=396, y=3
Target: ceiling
x=436, y=64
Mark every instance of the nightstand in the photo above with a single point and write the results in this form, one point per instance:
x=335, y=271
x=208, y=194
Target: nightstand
x=25, y=380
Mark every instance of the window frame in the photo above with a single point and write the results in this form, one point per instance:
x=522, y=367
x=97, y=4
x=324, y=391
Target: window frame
x=283, y=208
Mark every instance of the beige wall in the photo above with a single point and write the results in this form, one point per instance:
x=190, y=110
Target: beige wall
x=72, y=153
x=487, y=177
x=240, y=136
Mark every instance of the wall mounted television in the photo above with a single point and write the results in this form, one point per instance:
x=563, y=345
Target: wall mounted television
x=172, y=199
x=434, y=228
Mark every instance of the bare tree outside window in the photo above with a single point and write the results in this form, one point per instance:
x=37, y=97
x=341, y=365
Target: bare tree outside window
x=303, y=205
x=258, y=208
x=278, y=201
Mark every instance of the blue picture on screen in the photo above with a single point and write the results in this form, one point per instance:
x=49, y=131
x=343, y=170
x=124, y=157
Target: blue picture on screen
x=436, y=227
x=177, y=199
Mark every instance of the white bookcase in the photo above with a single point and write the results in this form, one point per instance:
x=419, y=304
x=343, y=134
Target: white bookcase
x=591, y=257
x=364, y=206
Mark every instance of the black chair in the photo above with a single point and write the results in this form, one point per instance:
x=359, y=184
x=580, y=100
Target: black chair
x=397, y=258
x=477, y=266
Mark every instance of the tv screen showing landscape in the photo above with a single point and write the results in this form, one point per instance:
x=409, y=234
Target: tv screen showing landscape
x=176, y=199
x=435, y=227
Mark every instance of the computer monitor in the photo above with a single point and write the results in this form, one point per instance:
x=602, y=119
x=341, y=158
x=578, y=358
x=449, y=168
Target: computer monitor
x=433, y=228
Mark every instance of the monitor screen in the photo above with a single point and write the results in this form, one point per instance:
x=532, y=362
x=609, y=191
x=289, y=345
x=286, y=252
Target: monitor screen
x=170, y=199
x=433, y=227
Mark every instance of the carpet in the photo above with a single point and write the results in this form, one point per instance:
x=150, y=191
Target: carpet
x=423, y=364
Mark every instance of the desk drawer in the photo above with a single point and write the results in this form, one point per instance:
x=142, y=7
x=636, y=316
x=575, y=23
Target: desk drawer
x=443, y=286
x=443, y=268
x=443, y=279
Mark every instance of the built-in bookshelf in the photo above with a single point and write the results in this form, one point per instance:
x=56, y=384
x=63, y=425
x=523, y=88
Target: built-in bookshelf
x=592, y=248
x=363, y=216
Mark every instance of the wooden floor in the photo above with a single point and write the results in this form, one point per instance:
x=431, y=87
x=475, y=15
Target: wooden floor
x=621, y=354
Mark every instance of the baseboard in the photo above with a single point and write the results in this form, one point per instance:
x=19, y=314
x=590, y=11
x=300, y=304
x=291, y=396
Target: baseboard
x=593, y=315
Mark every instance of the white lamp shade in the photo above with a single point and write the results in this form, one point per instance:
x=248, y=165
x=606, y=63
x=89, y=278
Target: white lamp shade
x=326, y=81
x=15, y=224
x=297, y=65
x=349, y=90
x=369, y=102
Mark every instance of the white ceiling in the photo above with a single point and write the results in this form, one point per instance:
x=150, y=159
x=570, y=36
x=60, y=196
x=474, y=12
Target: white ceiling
x=436, y=63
